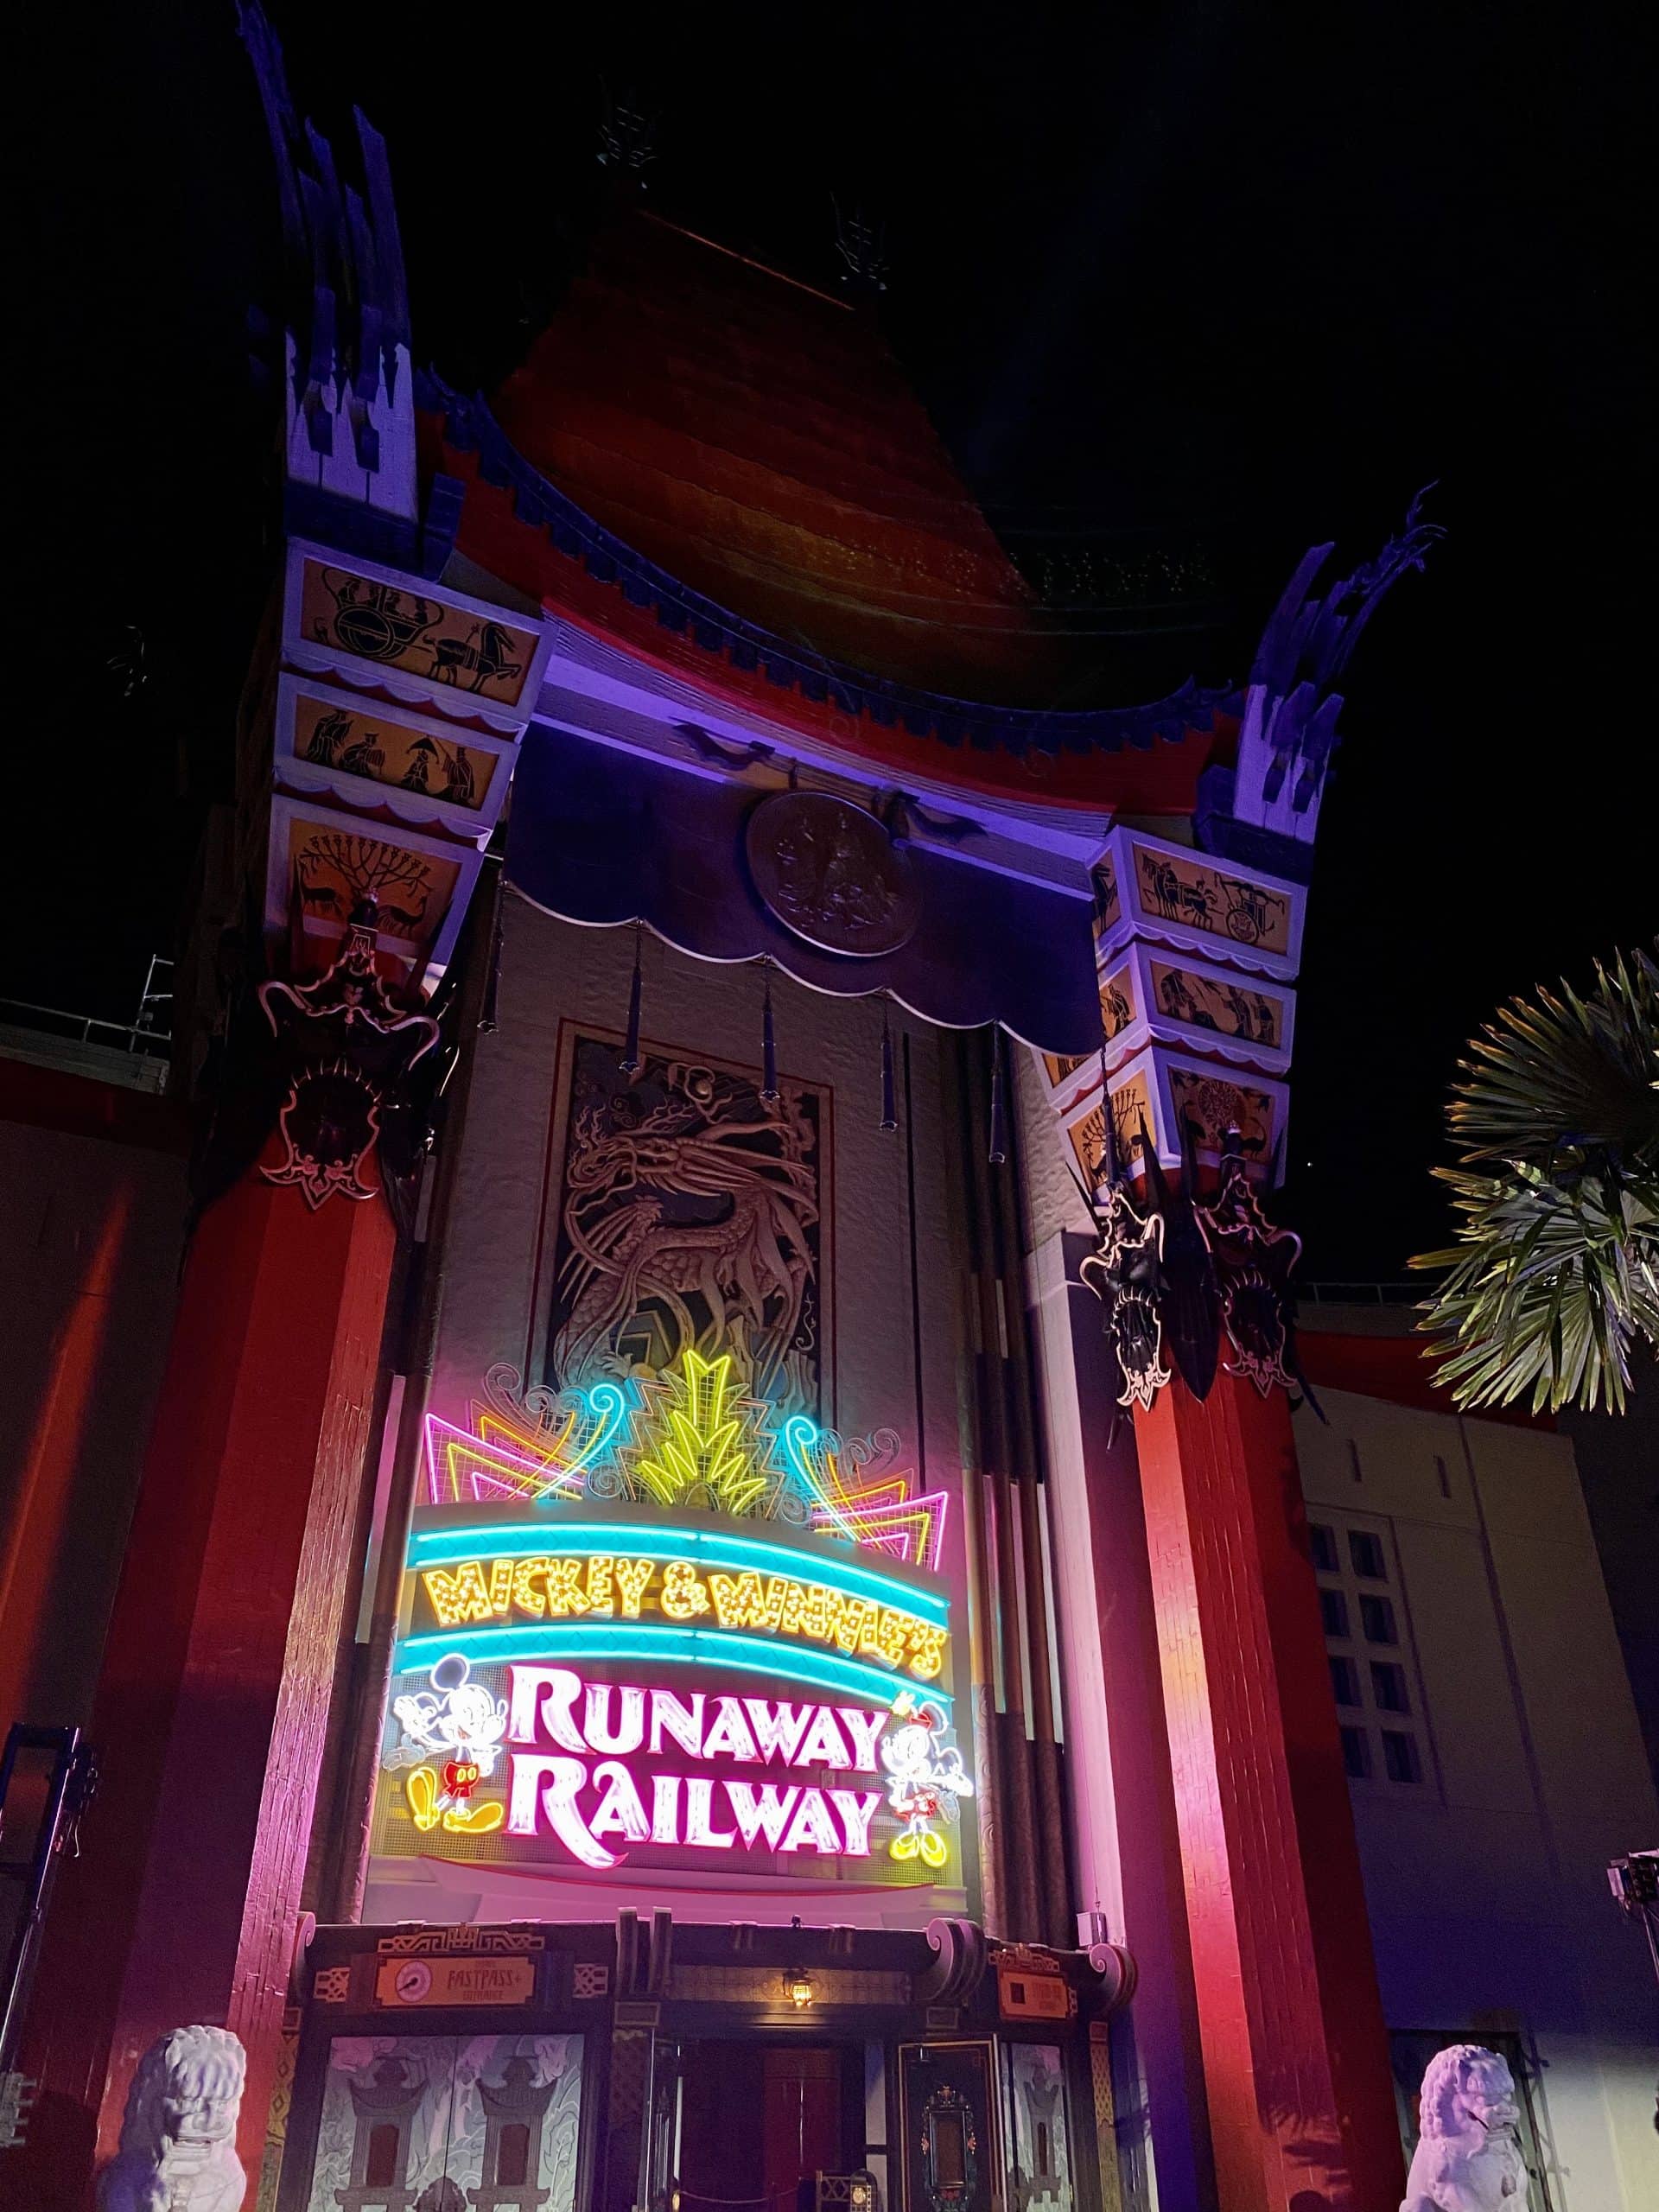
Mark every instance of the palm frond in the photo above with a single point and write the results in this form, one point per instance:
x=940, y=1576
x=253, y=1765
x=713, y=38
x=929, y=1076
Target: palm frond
x=1554, y=1277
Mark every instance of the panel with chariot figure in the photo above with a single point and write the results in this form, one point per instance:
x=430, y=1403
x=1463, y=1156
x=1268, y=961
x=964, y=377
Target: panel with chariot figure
x=469, y=649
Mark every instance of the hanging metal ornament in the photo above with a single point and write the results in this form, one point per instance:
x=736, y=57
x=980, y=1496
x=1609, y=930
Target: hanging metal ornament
x=889, y=1108
x=1253, y=1261
x=629, y=1063
x=769, y=1089
x=1127, y=1274
x=348, y=1049
x=998, y=1152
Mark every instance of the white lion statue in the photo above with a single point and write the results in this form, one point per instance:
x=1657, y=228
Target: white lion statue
x=1467, y=2158
x=178, y=2136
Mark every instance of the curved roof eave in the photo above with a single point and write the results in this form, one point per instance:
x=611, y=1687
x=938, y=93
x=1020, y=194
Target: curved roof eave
x=519, y=525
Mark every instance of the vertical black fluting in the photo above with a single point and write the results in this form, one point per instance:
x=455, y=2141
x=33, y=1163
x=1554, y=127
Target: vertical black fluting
x=998, y=1444
x=629, y=1062
x=998, y=1151
x=1025, y=1469
x=487, y=1018
x=984, y=1625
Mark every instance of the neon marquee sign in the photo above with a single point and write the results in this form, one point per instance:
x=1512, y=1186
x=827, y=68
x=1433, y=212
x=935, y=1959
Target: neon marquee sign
x=566, y=1742
x=616, y=1573
x=658, y=1621
x=686, y=1436
x=594, y=1794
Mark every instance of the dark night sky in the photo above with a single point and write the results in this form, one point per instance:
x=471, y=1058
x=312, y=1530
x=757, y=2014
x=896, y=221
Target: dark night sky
x=1210, y=271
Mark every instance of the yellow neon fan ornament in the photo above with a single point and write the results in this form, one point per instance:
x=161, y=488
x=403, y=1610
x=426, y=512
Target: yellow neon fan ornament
x=701, y=1444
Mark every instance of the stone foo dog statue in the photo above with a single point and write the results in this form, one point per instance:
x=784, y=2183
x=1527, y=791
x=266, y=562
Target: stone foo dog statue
x=178, y=2136
x=1467, y=2158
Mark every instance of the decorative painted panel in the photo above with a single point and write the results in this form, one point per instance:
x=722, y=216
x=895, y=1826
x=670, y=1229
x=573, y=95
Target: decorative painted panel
x=424, y=771
x=469, y=647
x=1118, y=1001
x=1189, y=998
x=1150, y=995
x=446, y=2123
x=1183, y=898
x=1085, y=1125
x=1108, y=905
x=691, y=1214
x=322, y=863
x=1061, y=1067
x=1192, y=1103
x=1040, y=2136
x=1209, y=1104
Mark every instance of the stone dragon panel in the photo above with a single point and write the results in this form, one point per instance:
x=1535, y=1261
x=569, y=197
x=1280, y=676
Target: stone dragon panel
x=690, y=1215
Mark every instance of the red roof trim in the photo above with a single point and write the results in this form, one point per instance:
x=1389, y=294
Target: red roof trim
x=1158, y=778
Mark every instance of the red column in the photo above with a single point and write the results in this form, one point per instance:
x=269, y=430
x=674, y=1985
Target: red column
x=212, y=1702
x=1295, y=2052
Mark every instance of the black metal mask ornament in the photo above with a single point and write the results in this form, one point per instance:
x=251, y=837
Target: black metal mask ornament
x=349, y=1047
x=1252, y=1261
x=1126, y=1275
x=1190, y=1308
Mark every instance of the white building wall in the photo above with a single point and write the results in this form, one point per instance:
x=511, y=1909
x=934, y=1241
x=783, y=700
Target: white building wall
x=1486, y=1882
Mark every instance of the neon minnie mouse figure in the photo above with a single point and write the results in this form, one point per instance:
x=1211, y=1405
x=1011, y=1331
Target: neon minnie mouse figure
x=466, y=1722
x=926, y=1780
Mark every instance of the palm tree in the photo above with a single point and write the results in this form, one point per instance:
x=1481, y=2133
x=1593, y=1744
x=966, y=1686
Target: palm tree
x=1554, y=1277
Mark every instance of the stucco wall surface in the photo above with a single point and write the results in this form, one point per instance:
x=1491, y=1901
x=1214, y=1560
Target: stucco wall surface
x=1486, y=1885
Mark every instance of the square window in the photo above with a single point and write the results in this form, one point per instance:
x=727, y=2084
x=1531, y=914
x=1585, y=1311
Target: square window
x=1389, y=1687
x=1323, y=1544
x=1376, y=1618
x=1333, y=1612
x=1357, y=1752
x=1345, y=1680
x=1400, y=1756
x=1366, y=1552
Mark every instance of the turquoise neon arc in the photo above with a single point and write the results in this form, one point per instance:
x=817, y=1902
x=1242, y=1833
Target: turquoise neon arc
x=443, y=1547
x=687, y=1646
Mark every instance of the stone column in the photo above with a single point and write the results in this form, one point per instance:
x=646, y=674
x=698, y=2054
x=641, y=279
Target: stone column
x=213, y=1703
x=1291, y=2029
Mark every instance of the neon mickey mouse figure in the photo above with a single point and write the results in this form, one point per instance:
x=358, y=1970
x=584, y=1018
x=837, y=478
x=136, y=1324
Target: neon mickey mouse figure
x=465, y=1722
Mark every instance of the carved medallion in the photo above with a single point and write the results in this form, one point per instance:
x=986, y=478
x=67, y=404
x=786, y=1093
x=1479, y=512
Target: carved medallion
x=831, y=874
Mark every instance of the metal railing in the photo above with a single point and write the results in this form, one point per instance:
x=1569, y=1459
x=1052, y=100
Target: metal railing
x=149, y=1032
x=86, y=1028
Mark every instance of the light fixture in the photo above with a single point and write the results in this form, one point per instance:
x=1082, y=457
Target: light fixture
x=798, y=1987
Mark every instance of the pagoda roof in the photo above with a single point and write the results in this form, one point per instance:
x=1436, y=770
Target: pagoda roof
x=756, y=438
x=726, y=472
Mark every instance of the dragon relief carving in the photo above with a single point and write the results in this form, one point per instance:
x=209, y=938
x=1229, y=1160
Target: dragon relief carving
x=689, y=1218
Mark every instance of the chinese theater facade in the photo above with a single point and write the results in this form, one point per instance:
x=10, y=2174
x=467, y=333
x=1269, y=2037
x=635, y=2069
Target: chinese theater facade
x=734, y=1630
